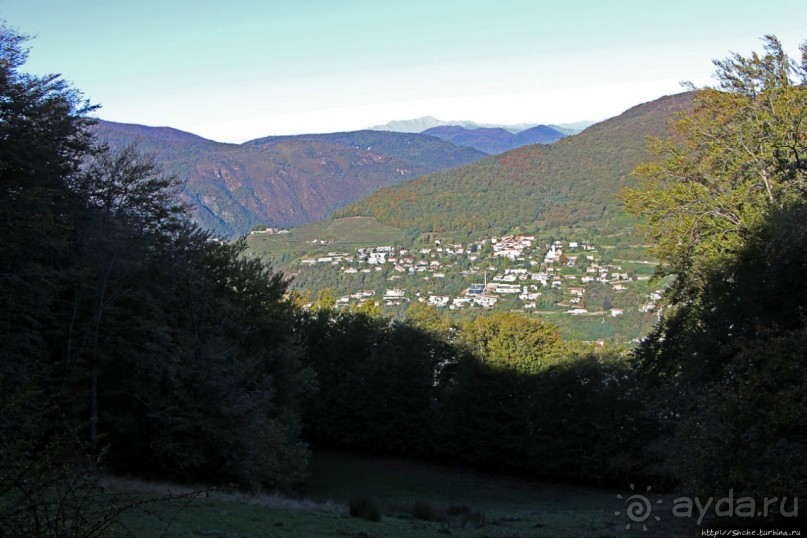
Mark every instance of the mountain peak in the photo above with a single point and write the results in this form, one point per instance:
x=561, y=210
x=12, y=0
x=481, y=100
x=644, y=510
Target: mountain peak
x=416, y=125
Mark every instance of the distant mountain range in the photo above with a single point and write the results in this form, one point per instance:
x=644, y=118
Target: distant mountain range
x=418, y=125
x=285, y=181
x=495, y=140
x=573, y=182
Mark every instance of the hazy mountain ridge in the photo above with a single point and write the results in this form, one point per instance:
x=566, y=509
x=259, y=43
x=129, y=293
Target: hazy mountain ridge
x=491, y=140
x=284, y=181
x=540, y=134
x=410, y=147
x=574, y=181
x=495, y=140
x=418, y=125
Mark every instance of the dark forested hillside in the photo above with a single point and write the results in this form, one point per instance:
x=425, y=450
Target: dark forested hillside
x=574, y=181
x=284, y=181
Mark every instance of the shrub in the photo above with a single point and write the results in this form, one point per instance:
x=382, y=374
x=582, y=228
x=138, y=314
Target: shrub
x=457, y=510
x=364, y=508
x=424, y=511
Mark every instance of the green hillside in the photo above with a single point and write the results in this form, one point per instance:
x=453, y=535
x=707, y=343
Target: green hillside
x=573, y=182
x=346, y=233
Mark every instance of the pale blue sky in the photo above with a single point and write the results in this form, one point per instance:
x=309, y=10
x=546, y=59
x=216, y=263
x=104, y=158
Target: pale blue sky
x=240, y=69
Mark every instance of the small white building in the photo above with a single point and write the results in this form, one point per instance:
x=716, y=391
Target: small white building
x=460, y=302
x=394, y=293
x=377, y=258
x=506, y=288
x=485, y=301
x=440, y=301
x=553, y=255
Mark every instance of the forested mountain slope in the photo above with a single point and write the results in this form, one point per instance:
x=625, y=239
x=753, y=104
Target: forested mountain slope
x=574, y=181
x=284, y=181
x=413, y=148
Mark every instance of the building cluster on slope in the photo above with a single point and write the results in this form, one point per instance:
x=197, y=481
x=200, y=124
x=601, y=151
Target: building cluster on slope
x=570, y=267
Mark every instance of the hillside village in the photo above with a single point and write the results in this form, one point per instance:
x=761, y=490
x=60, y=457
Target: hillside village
x=514, y=272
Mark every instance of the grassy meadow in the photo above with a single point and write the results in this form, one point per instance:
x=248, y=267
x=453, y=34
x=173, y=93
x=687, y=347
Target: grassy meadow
x=347, y=233
x=414, y=499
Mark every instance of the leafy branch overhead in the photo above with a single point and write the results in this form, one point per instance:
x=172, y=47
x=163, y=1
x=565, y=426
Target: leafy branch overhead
x=741, y=152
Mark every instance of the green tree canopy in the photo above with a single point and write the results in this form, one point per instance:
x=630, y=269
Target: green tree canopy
x=739, y=153
x=124, y=320
x=510, y=340
x=726, y=206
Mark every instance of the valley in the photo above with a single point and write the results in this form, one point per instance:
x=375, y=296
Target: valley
x=500, y=330
x=483, y=236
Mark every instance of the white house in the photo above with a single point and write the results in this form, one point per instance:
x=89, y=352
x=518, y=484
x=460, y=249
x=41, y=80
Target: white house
x=485, y=301
x=507, y=288
x=529, y=296
x=553, y=255
x=440, y=301
x=377, y=258
x=394, y=293
x=459, y=302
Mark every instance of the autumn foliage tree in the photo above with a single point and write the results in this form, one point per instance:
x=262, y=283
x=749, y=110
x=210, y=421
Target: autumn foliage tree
x=725, y=206
x=739, y=153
